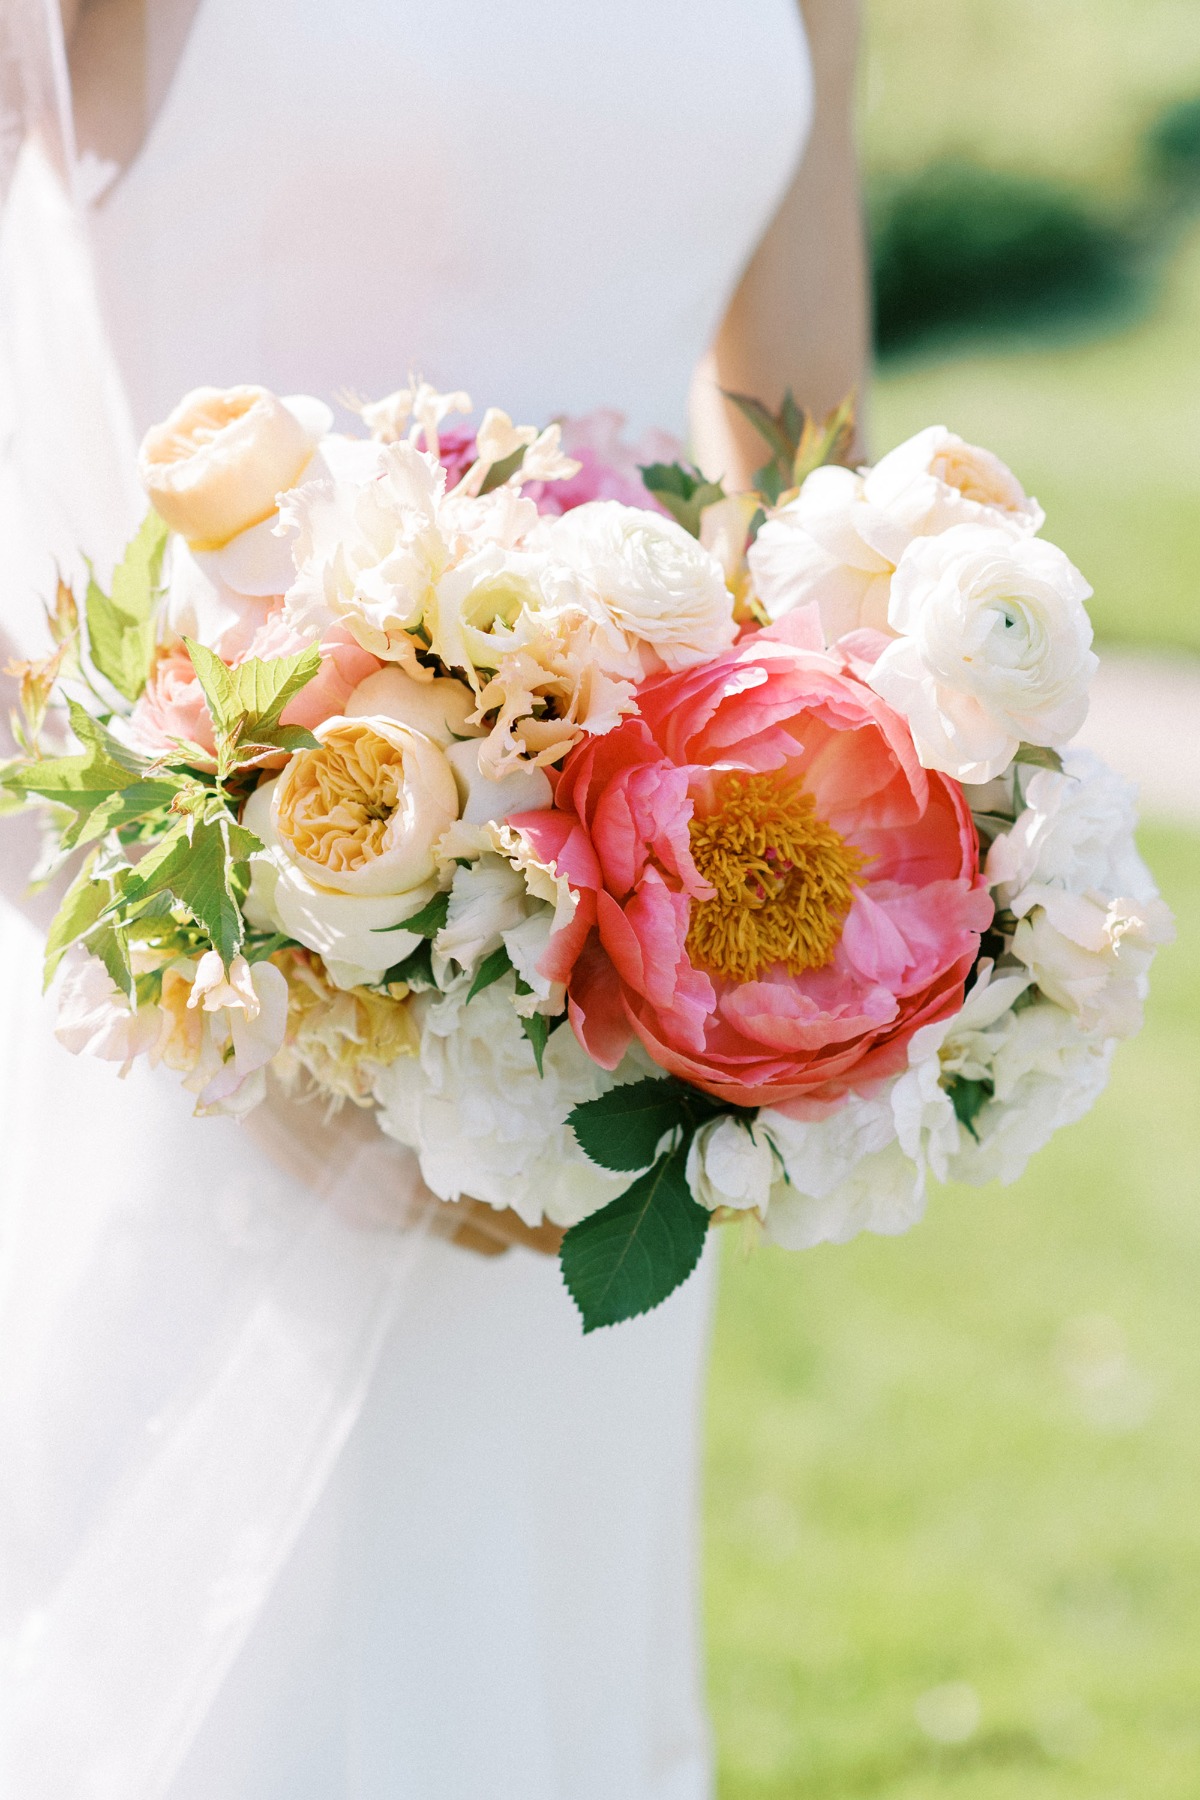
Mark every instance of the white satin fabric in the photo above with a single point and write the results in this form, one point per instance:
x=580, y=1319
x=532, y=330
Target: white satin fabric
x=296, y=1509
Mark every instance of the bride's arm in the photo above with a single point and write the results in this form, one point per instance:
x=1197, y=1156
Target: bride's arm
x=800, y=317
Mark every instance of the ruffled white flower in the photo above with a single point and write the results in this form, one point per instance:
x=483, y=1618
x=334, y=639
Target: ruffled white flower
x=484, y=1123
x=845, y=1173
x=656, y=583
x=338, y=1041
x=506, y=897
x=995, y=648
x=369, y=555
x=1089, y=912
x=838, y=542
x=732, y=1164
x=418, y=410
x=1032, y=1069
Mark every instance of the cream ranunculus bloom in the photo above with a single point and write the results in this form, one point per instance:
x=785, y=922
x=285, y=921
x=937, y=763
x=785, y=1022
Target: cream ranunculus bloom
x=218, y=463
x=994, y=648
x=839, y=541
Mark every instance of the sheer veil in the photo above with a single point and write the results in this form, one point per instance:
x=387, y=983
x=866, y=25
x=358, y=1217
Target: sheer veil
x=187, y=1334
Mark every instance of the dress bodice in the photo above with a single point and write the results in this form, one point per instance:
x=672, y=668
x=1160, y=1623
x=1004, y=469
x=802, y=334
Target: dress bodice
x=545, y=202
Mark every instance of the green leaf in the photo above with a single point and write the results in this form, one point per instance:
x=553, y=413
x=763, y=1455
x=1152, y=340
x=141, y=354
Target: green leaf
x=120, y=625
x=198, y=862
x=426, y=923
x=262, y=689
x=627, y=1258
x=537, y=1030
x=1039, y=756
x=216, y=681
x=500, y=472
x=968, y=1099
x=83, y=781
x=623, y=1128
x=416, y=968
x=773, y=428
x=683, y=491
x=108, y=943
x=491, y=969
x=142, y=800
x=284, y=737
x=82, y=905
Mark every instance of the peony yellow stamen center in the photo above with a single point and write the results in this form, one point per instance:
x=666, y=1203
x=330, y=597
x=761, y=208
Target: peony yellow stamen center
x=784, y=881
x=340, y=798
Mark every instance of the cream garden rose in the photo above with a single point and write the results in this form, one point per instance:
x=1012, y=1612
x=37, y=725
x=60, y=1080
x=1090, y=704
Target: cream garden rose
x=994, y=648
x=216, y=466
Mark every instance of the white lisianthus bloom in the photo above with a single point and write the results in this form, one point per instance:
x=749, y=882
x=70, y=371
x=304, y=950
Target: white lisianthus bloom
x=731, y=1163
x=505, y=895
x=484, y=1123
x=369, y=555
x=995, y=648
x=845, y=1173
x=652, y=578
x=838, y=542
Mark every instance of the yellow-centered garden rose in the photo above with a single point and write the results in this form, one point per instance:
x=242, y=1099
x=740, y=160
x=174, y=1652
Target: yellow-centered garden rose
x=216, y=465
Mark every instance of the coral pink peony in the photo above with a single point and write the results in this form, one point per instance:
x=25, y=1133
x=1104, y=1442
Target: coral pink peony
x=774, y=894
x=173, y=705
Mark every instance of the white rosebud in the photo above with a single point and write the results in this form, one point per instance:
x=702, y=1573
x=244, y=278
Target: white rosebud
x=730, y=1163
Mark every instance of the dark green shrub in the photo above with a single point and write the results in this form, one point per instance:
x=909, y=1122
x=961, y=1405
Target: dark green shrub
x=961, y=250
x=1173, y=144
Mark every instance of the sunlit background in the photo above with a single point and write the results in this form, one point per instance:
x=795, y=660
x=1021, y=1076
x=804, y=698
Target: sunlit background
x=954, y=1479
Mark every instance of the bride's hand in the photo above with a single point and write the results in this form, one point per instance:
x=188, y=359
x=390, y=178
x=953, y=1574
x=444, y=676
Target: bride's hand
x=346, y=1159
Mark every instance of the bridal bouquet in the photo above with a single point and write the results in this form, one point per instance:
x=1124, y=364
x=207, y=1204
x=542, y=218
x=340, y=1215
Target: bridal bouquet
x=643, y=855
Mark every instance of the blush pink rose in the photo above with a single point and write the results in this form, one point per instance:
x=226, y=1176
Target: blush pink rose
x=172, y=705
x=787, y=717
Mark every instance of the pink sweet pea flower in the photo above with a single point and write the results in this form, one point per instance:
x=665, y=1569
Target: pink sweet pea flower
x=774, y=895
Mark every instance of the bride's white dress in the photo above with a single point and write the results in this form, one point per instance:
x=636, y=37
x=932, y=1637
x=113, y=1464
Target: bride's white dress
x=492, y=1592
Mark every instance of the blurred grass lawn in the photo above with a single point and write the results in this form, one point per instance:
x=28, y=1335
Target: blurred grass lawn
x=1106, y=432
x=971, y=1455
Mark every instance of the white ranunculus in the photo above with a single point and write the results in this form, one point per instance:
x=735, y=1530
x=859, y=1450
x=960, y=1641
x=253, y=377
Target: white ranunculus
x=815, y=550
x=653, y=579
x=838, y=542
x=482, y=1120
x=731, y=1163
x=846, y=1173
x=994, y=648
x=369, y=554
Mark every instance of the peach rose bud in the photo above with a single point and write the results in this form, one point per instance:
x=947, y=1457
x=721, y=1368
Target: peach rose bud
x=216, y=465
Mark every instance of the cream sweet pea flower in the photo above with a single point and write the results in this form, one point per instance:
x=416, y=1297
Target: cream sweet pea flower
x=220, y=1029
x=96, y=1019
x=995, y=648
x=731, y=1164
x=651, y=577
x=839, y=541
x=216, y=465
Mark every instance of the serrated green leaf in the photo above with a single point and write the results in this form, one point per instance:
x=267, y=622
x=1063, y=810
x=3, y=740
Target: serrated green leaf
x=263, y=688
x=141, y=800
x=426, y=923
x=289, y=738
x=108, y=944
x=120, y=625
x=197, y=863
x=82, y=781
x=628, y=1257
x=770, y=427
x=492, y=968
x=537, y=1030
x=81, y=907
x=1039, y=756
x=216, y=682
x=623, y=1128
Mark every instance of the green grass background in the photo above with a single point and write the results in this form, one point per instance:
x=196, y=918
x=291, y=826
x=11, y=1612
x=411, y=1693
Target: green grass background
x=972, y=1455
